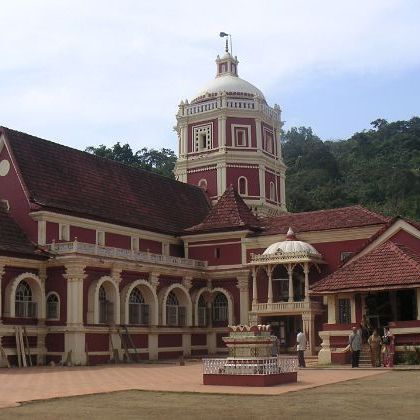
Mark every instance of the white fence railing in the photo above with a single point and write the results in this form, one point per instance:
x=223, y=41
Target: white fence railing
x=285, y=306
x=251, y=366
x=77, y=247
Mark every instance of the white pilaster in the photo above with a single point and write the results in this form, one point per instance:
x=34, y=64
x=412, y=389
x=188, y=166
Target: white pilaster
x=270, y=285
x=353, y=308
x=42, y=232
x=75, y=275
x=254, y=286
x=243, y=299
x=261, y=175
x=1, y=297
x=211, y=343
x=153, y=347
x=186, y=344
x=222, y=132
x=331, y=309
x=306, y=272
x=258, y=130
x=282, y=190
x=290, y=273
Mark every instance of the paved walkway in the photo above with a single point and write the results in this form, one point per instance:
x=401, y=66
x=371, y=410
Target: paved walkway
x=19, y=385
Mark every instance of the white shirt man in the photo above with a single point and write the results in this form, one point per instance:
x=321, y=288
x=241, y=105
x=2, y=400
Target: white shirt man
x=301, y=347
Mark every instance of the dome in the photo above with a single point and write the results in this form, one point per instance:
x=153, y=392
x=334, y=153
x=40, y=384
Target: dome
x=291, y=244
x=229, y=83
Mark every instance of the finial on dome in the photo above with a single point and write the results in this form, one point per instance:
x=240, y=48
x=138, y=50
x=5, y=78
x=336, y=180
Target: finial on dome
x=290, y=236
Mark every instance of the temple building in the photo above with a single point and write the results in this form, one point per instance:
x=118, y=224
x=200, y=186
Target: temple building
x=100, y=261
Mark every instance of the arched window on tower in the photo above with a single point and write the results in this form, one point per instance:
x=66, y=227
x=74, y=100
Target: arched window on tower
x=272, y=191
x=243, y=186
x=203, y=184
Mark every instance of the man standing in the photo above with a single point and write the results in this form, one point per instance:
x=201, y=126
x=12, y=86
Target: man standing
x=301, y=347
x=355, y=342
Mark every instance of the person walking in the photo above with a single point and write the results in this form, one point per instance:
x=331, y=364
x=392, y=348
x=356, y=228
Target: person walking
x=301, y=347
x=355, y=342
x=375, y=344
x=388, y=348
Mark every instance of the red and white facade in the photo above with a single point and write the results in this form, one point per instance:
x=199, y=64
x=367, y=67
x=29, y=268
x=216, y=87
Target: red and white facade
x=229, y=135
x=89, y=246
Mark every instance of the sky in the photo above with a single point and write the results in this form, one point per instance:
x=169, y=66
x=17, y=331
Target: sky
x=90, y=72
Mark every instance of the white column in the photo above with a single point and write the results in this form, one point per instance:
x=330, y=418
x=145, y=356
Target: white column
x=270, y=285
x=211, y=343
x=243, y=299
x=418, y=302
x=153, y=346
x=282, y=191
x=186, y=344
x=290, y=273
x=42, y=232
x=184, y=139
x=254, y=286
x=353, y=308
x=222, y=132
x=258, y=131
x=74, y=339
x=308, y=321
x=261, y=175
x=331, y=309
x=306, y=272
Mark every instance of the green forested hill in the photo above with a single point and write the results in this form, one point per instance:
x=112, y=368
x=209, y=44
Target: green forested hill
x=377, y=168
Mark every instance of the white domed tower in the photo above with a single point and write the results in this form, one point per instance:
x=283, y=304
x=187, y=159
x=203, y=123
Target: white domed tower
x=229, y=135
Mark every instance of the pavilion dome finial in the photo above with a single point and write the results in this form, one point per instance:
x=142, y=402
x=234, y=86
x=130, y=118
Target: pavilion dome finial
x=290, y=235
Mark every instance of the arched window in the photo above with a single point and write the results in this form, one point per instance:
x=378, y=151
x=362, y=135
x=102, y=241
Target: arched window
x=202, y=312
x=138, y=310
x=272, y=191
x=24, y=307
x=53, y=306
x=220, y=308
x=203, y=184
x=175, y=314
x=105, y=307
x=243, y=185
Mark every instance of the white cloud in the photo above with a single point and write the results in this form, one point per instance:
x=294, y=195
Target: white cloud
x=126, y=64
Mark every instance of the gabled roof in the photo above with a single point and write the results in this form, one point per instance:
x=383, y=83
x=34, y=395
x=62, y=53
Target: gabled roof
x=230, y=213
x=340, y=218
x=387, y=266
x=67, y=180
x=13, y=242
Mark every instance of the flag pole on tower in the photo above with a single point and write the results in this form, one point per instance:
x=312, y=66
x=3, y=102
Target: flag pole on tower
x=224, y=34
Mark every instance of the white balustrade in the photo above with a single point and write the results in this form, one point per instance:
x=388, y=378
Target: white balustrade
x=285, y=306
x=250, y=366
x=126, y=254
x=285, y=257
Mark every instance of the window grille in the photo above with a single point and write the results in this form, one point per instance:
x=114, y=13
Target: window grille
x=53, y=306
x=344, y=311
x=220, y=308
x=24, y=307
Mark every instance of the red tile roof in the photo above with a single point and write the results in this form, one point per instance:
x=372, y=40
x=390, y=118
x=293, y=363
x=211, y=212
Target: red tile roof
x=344, y=217
x=389, y=265
x=230, y=213
x=13, y=242
x=67, y=180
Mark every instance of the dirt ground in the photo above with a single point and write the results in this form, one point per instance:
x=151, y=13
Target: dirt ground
x=387, y=396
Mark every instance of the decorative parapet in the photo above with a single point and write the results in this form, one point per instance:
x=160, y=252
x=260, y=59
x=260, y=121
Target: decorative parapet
x=250, y=366
x=285, y=257
x=75, y=247
x=286, y=307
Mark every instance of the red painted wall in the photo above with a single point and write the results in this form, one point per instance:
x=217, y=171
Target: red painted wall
x=11, y=190
x=170, y=340
x=117, y=241
x=97, y=342
x=82, y=234
x=404, y=238
x=251, y=174
x=54, y=342
x=52, y=232
x=131, y=276
x=209, y=175
x=229, y=254
x=198, y=339
x=154, y=247
x=242, y=121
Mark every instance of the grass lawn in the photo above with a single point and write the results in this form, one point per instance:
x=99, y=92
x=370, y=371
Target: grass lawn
x=390, y=396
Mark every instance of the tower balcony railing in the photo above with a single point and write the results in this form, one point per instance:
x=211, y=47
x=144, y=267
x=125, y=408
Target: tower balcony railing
x=245, y=104
x=286, y=307
x=76, y=247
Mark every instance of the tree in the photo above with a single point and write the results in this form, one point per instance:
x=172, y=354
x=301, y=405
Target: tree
x=159, y=161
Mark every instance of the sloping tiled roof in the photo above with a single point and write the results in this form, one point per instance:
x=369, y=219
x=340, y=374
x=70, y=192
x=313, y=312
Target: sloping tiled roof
x=340, y=218
x=68, y=180
x=230, y=213
x=14, y=242
x=388, y=265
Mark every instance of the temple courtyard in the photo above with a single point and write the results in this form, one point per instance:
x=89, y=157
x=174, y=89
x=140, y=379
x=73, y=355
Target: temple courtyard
x=172, y=391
